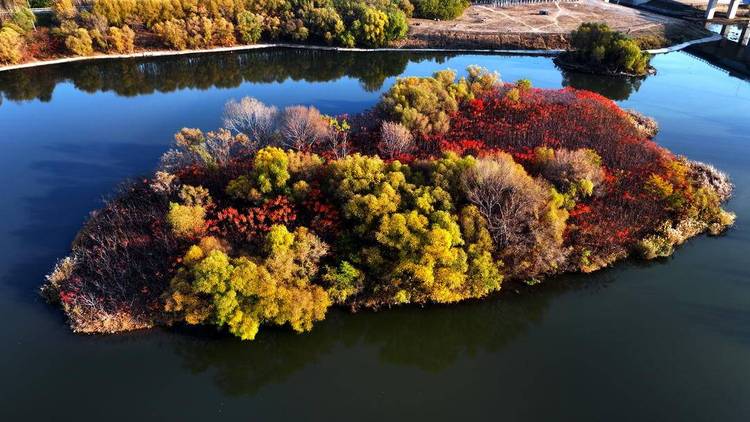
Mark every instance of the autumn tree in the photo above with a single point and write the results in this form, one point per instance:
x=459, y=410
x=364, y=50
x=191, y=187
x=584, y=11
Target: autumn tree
x=209, y=150
x=242, y=293
x=576, y=172
x=505, y=195
x=526, y=217
x=11, y=46
x=395, y=139
x=302, y=128
x=252, y=118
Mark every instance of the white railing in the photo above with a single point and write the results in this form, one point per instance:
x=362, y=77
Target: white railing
x=505, y=3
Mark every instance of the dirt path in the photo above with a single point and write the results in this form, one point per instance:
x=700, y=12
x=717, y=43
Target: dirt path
x=522, y=26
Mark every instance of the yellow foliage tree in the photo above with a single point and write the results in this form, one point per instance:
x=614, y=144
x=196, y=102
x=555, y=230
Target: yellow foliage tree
x=245, y=292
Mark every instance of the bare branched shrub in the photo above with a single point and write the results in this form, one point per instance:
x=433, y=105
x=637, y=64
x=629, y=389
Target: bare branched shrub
x=163, y=182
x=709, y=176
x=337, y=142
x=212, y=149
x=395, y=139
x=121, y=264
x=222, y=146
x=60, y=274
x=580, y=168
x=302, y=128
x=174, y=159
x=646, y=126
x=253, y=119
x=524, y=216
x=506, y=196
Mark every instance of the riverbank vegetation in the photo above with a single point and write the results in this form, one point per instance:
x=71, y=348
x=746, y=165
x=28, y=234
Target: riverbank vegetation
x=439, y=9
x=447, y=190
x=84, y=28
x=598, y=49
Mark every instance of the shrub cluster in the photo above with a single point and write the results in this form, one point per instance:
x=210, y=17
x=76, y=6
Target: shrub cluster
x=406, y=234
x=283, y=213
x=597, y=48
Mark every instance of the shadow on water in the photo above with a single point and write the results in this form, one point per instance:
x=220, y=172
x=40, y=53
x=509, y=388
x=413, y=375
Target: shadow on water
x=134, y=77
x=428, y=340
x=617, y=88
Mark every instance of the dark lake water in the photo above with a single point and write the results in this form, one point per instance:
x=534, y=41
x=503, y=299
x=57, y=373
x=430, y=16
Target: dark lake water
x=666, y=340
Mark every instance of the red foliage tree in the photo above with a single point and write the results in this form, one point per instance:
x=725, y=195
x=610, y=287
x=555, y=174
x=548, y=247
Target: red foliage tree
x=249, y=224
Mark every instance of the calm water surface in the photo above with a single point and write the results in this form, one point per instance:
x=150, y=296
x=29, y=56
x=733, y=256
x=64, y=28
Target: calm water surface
x=667, y=340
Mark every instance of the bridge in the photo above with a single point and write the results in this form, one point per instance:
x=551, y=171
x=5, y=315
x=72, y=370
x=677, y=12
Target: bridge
x=35, y=10
x=731, y=11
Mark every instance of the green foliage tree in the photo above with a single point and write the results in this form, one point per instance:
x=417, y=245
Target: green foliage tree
x=367, y=25
x=398, y=25
x=403, y=219
x=80, y=43
x=325, y=24
x=343, y=281
x=271, y=169
x=439, y=9
x=270, y=175
x=597, y=46
x=22, y=20
x=424, y=104
x=249, y=26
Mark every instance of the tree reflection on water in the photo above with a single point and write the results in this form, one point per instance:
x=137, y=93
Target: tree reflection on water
x=134, y=77
x=617, y=88
x=431, y=339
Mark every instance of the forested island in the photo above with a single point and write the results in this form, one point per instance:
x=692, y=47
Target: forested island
x=447, y=190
